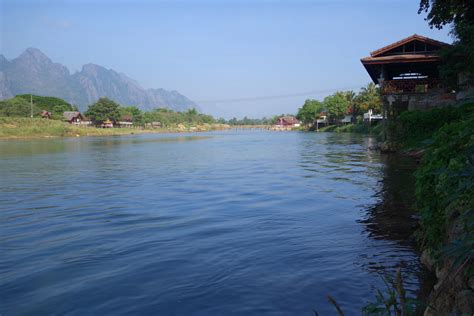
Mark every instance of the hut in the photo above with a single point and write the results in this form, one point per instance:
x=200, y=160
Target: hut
x=45, y=114
x=107, y=124
x=74, y=117
x=126, y=121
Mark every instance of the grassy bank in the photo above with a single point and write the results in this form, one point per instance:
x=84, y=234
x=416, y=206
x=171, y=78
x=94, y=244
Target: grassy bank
x=12, y=128
x=353, y=128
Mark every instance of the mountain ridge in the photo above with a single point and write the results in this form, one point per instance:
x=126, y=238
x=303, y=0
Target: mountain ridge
x=34, y=72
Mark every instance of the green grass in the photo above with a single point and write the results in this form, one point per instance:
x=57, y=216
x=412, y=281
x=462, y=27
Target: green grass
x=14, y=127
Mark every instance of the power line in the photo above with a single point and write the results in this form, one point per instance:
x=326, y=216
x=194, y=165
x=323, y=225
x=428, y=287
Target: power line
x=278, y=96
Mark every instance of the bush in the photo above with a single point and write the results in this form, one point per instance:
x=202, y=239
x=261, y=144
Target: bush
x=445, y=180
x=413, y=127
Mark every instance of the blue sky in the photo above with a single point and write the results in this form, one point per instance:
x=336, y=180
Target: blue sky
x=215, y=52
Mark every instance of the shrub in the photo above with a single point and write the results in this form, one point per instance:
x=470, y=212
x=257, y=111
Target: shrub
x=445, y=181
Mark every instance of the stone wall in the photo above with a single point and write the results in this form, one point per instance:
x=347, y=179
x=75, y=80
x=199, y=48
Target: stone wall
x=419, y=101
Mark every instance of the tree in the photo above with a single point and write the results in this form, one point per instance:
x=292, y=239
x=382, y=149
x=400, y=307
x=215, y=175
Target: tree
x=102, y=110
x=336, y=104
x=309, y=111
x=460, y=14
x=18, y=106
x=368, y=99
x=55, y=106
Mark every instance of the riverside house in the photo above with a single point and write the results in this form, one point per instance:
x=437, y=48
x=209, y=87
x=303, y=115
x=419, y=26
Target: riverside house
x=125, y=121
x=288, y=121
x=408, y=76
x=74, y=117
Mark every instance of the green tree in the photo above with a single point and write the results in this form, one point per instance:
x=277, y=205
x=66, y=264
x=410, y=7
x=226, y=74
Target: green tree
x=18, y=106
x=309, y=111
x=336, y=104
x=102, y=110
x=459, y=14
x=55, y=106
x=368, y=98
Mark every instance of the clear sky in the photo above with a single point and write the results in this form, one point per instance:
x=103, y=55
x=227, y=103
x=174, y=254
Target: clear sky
x=218, y=52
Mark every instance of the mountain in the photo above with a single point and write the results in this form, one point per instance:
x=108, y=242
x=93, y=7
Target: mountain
x=34, y=72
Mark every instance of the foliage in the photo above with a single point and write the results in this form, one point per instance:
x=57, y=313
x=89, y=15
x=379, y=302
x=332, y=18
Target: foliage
x=18, y=107
x=443, y=12
x=309, y=111
x=393, y=300
x=354, y=128
x=247, y=121
x=460, y=15
x=169, y=118
x=447, y=173
x=368, y=99
x=103, y=109
x=55, y=106
x=336, y=104
x=415, y=127
x=22, y=127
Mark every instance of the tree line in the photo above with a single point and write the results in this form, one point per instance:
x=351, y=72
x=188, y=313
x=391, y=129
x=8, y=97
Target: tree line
x=341, y=103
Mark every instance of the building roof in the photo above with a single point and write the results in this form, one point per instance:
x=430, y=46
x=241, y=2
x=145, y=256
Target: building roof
x=288, y=120
x=410, y=52
x=405, y=58
x=69, y=115
x=414, y=37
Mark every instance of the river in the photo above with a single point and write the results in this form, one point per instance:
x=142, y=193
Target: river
x=221, y=223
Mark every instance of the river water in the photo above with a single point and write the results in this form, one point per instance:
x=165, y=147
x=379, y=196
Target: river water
x=232, y=222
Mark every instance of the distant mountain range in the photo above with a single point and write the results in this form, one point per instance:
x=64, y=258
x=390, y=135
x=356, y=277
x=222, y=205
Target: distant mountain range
x=33, y=72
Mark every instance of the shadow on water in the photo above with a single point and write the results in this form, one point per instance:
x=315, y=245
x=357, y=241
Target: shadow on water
x=393, y=218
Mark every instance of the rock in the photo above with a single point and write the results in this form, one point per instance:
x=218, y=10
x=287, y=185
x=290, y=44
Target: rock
x=465, y=302
x=389, y=147
x=429, y=312
x=427, y=261
x=441, y=273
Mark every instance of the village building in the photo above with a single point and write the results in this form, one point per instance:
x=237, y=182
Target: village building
x=408, y=76
x=107, y=124
x=74, y=117
x=126, y=121
x=288, y=121
x=45, y=114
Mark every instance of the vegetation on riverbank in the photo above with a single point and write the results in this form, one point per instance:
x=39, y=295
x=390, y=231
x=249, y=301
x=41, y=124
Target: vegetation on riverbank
x=13, y=128
x=341, y=103
x=358, y=128
x=445, y=199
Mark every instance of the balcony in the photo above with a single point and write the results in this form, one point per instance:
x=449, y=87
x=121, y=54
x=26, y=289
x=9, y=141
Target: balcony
x=411, y=86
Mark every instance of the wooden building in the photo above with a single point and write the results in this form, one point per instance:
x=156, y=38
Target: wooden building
x=45, y=114
x=407, y=72
x=74, y=117
x=126, y=121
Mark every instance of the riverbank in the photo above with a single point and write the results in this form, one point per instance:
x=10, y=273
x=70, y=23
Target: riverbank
x=444, y=138
x=353, y=128
x=18, y=128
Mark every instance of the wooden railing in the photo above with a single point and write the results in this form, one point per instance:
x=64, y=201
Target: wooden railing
x=410, y=86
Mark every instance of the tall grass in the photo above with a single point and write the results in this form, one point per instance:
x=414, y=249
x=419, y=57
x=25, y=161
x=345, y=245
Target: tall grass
x=15, y=127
